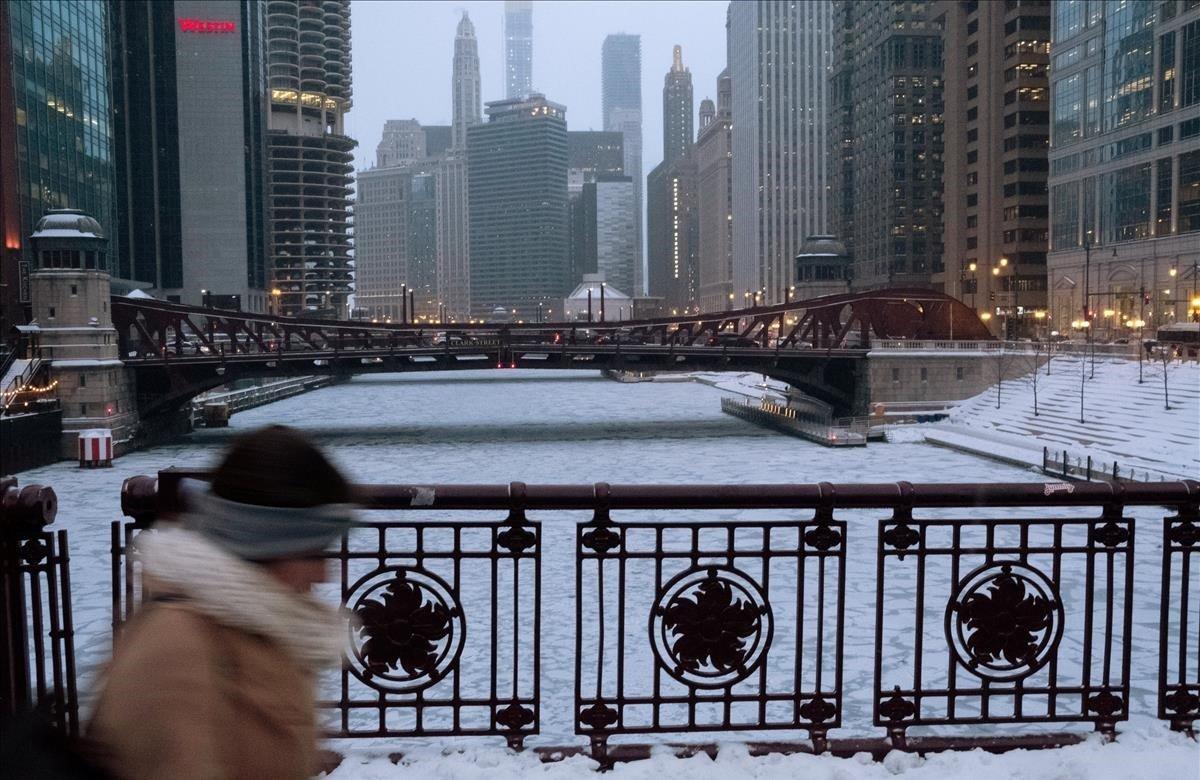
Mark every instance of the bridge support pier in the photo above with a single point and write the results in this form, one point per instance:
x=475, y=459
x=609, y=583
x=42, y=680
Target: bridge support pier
x=70, y=294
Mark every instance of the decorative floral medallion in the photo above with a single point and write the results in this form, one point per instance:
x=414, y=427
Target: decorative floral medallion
x=408, y=629
x=1004, y=621
x=710, y=626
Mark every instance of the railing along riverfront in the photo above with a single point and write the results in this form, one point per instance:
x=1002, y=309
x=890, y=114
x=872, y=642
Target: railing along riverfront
x=995, y=605
x=1040, y=347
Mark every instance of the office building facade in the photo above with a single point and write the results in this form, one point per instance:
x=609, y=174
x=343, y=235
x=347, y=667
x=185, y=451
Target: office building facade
x=1124, y=165
x=678, y=105
x=778, y=55
x=888, y=115
x=309, y=154
x=518, y=48
x=189, y=117
x=997, y=99
x=714, y=199
x=57, y=134
x=672, y=228
x=403, y=141
x=621, y=104
x=517, y=199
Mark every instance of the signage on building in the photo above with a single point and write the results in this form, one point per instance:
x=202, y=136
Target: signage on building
x=206, y=26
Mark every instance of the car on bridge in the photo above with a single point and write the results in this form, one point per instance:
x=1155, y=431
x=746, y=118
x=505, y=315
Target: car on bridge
x=729, y=339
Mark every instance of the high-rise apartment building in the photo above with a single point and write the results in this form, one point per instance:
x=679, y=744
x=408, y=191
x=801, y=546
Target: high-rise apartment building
x=997, y=100
x=57, y=133
x=779, y=55
x=517, y=198
x=518, y=48
x=678, y=128
x=590, y=155
x=1124, y=164
x=621, y=103
x=714, y=199
x=309, y=154
x=453, y=273
x=886, y=182
x=594, y=152
x=191, y=174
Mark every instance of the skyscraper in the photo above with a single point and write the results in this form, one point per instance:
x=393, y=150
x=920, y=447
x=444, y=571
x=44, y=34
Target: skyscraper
x=518, y=48
x=58, y=143
x=309, y=154
x=997, y=135
x=518, y=207
x=453, y=273
x=678, y=129
x=395, y=241
x=714, y=194
x=778, y=68
x=621, y=103
x=403, y=141
x=1124, y=164
x=465, y=87
x=889, y=196
x=191, y=174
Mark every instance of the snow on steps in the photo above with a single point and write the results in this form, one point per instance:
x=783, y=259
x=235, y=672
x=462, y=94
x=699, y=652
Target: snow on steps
x=1124, y=421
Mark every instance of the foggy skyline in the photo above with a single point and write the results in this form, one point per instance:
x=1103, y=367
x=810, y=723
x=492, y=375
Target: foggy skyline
x=403, y=53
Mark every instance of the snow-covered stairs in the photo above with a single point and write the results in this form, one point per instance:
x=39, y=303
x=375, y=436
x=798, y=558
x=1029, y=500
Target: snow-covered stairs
x=1123, y=420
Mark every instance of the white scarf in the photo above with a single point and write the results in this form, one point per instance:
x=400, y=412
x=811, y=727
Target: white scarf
x=241, y=595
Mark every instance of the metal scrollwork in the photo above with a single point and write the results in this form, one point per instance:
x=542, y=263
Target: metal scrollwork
x=410, y=629
x=710, y=626
x=1004, y=621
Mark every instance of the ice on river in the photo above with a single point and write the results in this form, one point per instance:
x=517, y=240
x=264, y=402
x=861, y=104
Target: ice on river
x=568, y=427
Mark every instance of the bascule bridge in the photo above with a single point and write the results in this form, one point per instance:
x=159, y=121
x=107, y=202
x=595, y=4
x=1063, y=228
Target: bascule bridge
x=132, y=364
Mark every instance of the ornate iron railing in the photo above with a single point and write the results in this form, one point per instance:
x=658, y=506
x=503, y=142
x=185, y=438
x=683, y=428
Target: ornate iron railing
x=37, y=633
x=995, y=604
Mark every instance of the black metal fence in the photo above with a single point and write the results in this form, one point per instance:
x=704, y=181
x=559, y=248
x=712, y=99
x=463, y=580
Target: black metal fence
x=37, y=634
x=984, y=615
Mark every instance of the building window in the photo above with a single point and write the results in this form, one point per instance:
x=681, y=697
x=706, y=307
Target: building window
x=1189, y=92
x=1166, y=72
x=895, y=376
x=83, y=380
x=51, y=315
x=1162, y=210
x=1126, y=204
x=74, y=291
x=1188, y=192
x=958, y=373
x=1065, y=223
x=924, y=374
x=1166, y=135
x=972, y=92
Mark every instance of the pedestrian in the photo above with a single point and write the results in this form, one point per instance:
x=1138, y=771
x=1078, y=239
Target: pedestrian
x=214, y=676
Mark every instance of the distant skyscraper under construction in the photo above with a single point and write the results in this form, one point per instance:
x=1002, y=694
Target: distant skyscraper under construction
x=518, y=48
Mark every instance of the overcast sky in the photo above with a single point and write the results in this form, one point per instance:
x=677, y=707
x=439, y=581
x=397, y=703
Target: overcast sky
x=403, y=53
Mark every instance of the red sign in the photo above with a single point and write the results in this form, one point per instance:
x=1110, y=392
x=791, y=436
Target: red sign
x=206, y=26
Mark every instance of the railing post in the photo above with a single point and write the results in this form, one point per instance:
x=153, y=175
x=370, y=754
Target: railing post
x=1065, y=464
x=1089, y=468
x=24, y=512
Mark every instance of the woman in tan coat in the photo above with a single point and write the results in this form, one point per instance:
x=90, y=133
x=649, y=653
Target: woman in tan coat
x=214, y=677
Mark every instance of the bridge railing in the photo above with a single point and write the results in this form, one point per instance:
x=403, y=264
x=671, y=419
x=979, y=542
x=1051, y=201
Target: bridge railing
x=1030, y=347
x=995, y=605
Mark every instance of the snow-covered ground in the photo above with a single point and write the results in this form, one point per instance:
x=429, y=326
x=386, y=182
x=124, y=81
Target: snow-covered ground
x=1147, y=756
x=1124, y=421
x=570, y=427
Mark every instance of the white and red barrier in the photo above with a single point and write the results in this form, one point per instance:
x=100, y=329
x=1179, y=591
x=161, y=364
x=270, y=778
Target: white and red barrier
x=95, y=448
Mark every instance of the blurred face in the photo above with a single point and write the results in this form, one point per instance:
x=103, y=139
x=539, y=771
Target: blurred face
x=299, y=574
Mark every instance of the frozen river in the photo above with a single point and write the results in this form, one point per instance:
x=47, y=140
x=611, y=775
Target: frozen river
x=539, y=427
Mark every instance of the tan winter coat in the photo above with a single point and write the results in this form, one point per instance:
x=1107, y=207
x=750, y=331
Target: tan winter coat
x=215, y=677
x=188, y=698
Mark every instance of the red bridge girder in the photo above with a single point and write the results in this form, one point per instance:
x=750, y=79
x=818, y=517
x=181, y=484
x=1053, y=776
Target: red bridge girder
x=153, y=328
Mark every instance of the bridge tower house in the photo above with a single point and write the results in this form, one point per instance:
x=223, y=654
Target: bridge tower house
x=70, y=295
